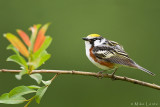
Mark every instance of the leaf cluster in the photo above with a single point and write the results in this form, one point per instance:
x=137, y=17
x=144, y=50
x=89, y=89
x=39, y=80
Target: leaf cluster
x=30, y=54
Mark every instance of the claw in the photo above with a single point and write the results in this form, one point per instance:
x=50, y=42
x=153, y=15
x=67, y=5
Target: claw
x=100, y=73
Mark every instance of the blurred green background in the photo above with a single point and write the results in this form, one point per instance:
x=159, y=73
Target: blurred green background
x=133, y=23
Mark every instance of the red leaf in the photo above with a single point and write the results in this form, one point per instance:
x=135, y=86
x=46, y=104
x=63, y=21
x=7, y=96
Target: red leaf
x=40, y=37
x=24, y=37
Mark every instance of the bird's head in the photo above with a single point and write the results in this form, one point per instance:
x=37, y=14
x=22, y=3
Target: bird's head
x=93, y=39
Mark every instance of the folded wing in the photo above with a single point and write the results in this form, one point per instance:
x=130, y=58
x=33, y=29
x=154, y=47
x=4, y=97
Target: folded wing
x=113, y=55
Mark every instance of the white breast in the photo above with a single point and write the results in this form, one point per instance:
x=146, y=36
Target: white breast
x=88, y=46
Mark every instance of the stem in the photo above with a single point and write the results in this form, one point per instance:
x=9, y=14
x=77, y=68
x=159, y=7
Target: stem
x=54, y=77
x=30, y=68
x=29, y=101
x=122, y=78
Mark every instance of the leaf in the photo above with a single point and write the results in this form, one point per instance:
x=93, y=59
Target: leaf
x=38, y=43
x=44, y=56
x=11, y=100
x=17, y=43
x=19, y=60
x=24, y=37
x=40, y=93
x=43, y=59
x=37, y=77
x=34, y=30
x=19, y=76
x=40, y=37
x=47, y=82
x=21, y=90
x=34, y=87
x=41, y=55
x=45, y=45
x=13, y=49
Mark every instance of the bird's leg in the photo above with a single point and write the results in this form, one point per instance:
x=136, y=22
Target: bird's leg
x=114, y=72
x=112, y=75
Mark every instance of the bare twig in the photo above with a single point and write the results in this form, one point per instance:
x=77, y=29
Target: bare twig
x=151, y=85
x=54, y=77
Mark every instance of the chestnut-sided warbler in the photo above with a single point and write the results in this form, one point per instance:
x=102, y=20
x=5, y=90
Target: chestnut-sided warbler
x=108, y=55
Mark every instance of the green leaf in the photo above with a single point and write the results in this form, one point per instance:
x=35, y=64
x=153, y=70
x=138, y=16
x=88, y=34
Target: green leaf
x=43, y=59
x=13, y=48
x=45, y=45
x=40, y=93
x=11, y=100
x=19, y=60
x=44, y=56
x=21, y=90
x=37, y=77
x=34, y=87
x=19, y=76
x=47, y=82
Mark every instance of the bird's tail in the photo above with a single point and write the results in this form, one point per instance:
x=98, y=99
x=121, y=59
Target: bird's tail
x=145, y=70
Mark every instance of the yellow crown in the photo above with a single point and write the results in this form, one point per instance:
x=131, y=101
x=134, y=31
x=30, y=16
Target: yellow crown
x=94, y=35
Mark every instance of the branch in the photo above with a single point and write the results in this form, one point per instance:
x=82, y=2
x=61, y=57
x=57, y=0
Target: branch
x=91, y=74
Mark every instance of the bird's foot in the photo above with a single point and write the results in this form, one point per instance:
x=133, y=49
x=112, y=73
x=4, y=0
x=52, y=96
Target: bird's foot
x=100, y=75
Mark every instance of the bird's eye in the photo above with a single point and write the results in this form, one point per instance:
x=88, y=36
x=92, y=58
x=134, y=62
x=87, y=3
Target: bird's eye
x=94, y=39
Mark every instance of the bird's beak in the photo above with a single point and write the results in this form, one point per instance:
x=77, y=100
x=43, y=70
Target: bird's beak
x=84, y=38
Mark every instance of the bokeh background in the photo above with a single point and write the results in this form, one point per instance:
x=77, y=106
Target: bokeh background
x=133, y=23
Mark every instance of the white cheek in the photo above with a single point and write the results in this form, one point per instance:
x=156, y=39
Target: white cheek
x=97, y=42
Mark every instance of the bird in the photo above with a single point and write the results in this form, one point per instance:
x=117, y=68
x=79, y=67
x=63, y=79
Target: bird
x=108, y=55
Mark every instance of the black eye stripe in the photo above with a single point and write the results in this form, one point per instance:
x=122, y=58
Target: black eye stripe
x=97, y=39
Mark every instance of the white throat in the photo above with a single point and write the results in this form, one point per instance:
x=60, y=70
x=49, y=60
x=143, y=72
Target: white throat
x=87, y=45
